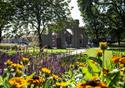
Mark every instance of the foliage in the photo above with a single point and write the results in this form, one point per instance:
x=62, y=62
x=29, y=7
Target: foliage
x=39, y=14
x=6, y=13
x=103, y=18
x=95, y=26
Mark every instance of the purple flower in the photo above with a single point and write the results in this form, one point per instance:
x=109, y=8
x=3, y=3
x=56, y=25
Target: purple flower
x=62, y=70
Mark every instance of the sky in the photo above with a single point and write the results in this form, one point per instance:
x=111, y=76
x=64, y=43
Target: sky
x=75, y=13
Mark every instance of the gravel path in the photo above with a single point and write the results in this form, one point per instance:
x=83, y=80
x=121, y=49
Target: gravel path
x=74, y=52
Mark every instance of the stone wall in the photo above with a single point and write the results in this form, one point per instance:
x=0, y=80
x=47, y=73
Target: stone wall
x=59, y=39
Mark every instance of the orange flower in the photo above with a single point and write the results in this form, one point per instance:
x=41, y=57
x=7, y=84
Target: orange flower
x=36, y=80
x=122, y=60
x=115, y=59
x=17, y=82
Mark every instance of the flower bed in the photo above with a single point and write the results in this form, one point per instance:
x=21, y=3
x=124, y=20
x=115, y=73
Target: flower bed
x=81, y=71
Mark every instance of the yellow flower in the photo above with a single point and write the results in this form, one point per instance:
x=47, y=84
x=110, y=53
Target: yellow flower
x=17, y=66
x=105, y=71
x=92, y=61
x=122, y=65
x=25, y=60
x=61, y=84
x=8, y=63
x=45, y=70
x=55, y=76
x=99, y=53
x=122, y=71
x=103, y=45
x=17, y=82
x=80, y=64
x=81, y=86
x=19, y=73
x=94, y=78
x=77, y=62
x=36, y=80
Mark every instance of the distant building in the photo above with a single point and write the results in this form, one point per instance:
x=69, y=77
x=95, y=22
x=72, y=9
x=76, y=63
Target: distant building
x=72, y=36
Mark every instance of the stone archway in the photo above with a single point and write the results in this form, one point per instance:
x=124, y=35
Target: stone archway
x=68, y=37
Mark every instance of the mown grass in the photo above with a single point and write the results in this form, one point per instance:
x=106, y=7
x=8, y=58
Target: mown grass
x=36, y=51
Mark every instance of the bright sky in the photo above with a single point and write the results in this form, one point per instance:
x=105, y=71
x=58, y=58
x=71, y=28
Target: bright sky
x=75, y=13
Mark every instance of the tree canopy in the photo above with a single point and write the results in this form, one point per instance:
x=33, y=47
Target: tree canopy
x=103, y=17
x=6, y=13
x=38, y=14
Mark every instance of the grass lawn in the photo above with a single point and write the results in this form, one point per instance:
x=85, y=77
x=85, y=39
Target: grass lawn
x=36, y=51
x=50, y=50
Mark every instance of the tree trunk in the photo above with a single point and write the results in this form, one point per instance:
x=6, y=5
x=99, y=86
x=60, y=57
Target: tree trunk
x=97, y=37
x=38, y=29
x=40, y=39
x=118, y=38
x=0, y=34
x=96, y=33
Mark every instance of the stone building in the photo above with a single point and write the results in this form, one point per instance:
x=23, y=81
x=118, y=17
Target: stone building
x=72, y=36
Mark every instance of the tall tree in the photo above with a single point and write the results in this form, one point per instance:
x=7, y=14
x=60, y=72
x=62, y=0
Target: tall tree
x=93, y=19
x=6, y=13
x=110, y=15
x=116, y=16
x=40, y=13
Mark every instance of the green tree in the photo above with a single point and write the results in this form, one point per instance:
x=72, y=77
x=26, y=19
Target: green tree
x=116, y=16
x=90, y=10
x=104, y=17
x=6, y=13
x=40, y=14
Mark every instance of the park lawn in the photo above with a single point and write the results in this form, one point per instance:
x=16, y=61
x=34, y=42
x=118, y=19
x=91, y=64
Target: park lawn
x=91, y=52
x=51, y=50
x=36, y=51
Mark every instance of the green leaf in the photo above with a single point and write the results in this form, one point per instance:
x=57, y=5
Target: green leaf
x=87, y=75
x=114, y=78
x=30, y=76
